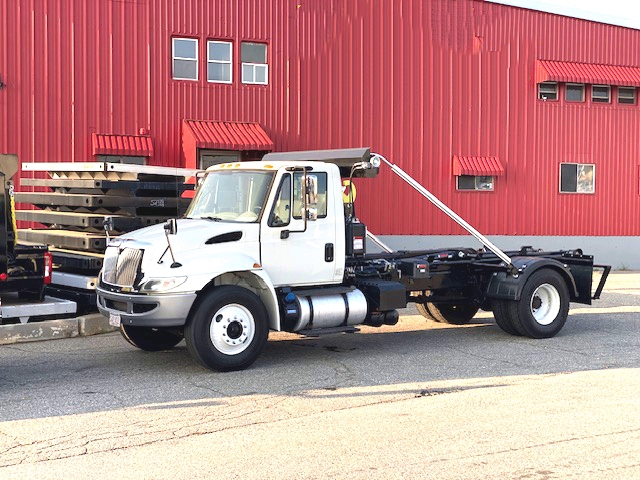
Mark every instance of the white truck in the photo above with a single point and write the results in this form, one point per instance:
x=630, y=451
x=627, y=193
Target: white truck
x=275, y=245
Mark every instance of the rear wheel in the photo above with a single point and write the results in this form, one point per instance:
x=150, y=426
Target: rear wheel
x=228, y=329
x=502, y=318
x=424, y=311
x=455, y=314
x=543, y=307
x=149, y=338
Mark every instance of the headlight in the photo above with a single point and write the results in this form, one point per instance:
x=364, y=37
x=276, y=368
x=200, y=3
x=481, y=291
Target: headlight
x=162, y=284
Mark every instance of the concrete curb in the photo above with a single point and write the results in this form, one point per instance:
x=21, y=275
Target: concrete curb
x=91, y=324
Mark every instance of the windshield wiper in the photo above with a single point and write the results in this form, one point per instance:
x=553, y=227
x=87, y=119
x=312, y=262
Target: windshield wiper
x=215, y=219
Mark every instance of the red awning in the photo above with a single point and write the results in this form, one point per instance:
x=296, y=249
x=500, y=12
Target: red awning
x=226, y=135
x=477, y=166
x=130, y=145
x=573, y=72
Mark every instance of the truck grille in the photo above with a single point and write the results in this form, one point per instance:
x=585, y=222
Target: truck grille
x=121, y=266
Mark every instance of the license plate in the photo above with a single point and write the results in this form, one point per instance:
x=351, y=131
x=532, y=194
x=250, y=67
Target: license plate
x=114, y=319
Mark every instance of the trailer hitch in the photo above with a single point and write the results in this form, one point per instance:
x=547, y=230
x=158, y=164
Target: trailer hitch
x=376, y=159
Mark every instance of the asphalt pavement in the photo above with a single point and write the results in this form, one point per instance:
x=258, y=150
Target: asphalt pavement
x=418, y=400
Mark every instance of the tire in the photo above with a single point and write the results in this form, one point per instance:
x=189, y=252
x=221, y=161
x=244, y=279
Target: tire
x=543, y=307
x=502, y=318
x=424, y=311
x=454, y=314
x=228, y=329
x=149, y=338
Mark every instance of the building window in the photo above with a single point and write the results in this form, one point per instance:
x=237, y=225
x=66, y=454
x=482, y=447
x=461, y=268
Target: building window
x=185, y=58
x=472, y=182
x=216, y=157
x=548, y=91
x=219, y=57
x=577, y=178
x=600, y=93
x=574, y=92
x=627, y=95
x=254, y=63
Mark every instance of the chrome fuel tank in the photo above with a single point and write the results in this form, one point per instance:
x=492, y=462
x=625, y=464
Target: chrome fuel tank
x=325, y=311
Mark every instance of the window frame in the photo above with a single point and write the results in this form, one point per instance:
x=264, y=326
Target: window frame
x=541, y=94
x=573, y=84
x=577, y=165
x=286, y=179
x=595, y=99
x=174, y=58
x=229, y=43
x=253, y=65
x=634, y=98
x=295, y=198
x=475, y=183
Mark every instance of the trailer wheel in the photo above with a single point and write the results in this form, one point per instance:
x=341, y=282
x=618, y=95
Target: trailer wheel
x=502, y=318
x=149, y=338
x=424, y=311
x=228, y=329
x=454, y=314
x=543, y=307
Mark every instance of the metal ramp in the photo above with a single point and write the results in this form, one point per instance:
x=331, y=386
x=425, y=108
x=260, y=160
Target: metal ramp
x=13, y=310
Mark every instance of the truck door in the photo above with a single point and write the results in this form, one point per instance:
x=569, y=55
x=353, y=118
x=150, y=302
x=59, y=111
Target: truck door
x=292, y=254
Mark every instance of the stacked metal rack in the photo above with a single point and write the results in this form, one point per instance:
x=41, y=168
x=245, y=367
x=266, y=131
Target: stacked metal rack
x=78, y=199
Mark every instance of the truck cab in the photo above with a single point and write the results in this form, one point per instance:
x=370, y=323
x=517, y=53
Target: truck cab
x=253, y=229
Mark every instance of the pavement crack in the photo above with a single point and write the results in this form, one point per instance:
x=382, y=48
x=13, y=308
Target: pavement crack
x=540, y=445
x=482, y=357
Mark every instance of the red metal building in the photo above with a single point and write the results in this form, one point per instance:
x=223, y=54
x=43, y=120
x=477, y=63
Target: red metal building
x=524, y=122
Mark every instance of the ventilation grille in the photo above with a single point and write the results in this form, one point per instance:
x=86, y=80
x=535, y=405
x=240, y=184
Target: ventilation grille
x=121, y=267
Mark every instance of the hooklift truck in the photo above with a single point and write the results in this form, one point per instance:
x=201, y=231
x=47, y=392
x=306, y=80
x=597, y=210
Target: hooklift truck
x=273, y=245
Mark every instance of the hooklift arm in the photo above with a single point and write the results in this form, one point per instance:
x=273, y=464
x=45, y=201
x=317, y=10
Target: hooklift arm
x=453, y=215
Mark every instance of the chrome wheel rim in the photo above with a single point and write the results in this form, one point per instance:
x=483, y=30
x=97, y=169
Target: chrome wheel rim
x=232, y=329
x=545, y=304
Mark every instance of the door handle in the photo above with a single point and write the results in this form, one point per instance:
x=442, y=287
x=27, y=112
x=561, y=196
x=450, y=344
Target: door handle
x=328, y=252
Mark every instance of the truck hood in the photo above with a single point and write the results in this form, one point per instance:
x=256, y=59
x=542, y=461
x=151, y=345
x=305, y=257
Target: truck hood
x=192, y=234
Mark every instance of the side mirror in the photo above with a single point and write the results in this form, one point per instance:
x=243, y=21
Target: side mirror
x=171, y=227
x=107, y=224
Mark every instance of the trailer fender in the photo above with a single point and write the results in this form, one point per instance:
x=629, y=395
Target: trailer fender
x=257, y=281
x=504, y=286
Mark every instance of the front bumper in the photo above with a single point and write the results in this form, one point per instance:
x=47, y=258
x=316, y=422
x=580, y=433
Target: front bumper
x=168, y=310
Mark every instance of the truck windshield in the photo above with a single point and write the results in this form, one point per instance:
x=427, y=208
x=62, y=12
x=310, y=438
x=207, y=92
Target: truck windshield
x=231, y=196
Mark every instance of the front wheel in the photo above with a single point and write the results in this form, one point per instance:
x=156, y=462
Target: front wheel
x=228, y=329
x=149, y=338
x=543, y=307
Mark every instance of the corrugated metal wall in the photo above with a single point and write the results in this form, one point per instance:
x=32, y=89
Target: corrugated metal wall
x=418, y=81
